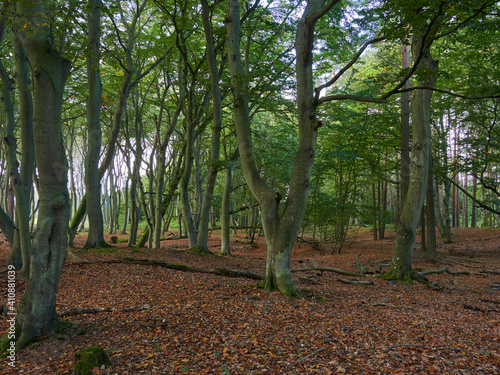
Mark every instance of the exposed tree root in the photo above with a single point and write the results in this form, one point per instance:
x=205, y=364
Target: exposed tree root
x=327, y=269
x=180, y=267
x=405, y=275
x=95, y=310
x=442, y=270
x=477, y=308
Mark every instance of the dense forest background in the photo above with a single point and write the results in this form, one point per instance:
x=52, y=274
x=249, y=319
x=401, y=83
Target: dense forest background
x=284, y=118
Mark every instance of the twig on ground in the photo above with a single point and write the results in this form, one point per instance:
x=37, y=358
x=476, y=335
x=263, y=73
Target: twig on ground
x=313, y=354
x=94, y=310
x=356, y=282
x=425, y=347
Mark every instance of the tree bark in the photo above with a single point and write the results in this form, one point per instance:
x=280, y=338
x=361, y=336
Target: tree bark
x=214, y=162
x=95, y=237
x=405, y=130
x=280, y=231
x=21, y=244
x=36, y=313
x=401, y=268
x=430, y=209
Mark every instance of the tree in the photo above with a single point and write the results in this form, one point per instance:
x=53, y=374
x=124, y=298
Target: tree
x=36, y=313
x=214, y=163
x=95, y=237
x=281, y=230
x=420, y=155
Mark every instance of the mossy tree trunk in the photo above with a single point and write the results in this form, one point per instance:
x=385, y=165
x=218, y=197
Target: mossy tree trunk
x=36, y=313
x=21, y=242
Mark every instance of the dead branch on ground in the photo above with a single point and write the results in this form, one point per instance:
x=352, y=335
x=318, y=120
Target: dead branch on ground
x=442, y=270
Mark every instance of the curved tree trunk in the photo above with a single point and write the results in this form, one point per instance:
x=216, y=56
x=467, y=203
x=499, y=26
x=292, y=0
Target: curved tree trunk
x=21, y=245
x=280, y=232
x=36, y=313
x=401, y=268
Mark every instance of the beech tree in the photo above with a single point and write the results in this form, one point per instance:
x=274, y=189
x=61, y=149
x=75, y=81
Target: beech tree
x=36, y=313
x=95, y=237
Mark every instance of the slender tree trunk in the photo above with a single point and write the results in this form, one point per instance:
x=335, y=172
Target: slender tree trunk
x=401, y=268
x=374, y=213
x=405, y=130
x=225, y=215
x=430, y=209
x=126, y=210
x=423, y=244
x=465, y=208
x=186, y=177
x=37, y=309
x=446, y=186
x=95, y=236
x=474, y=194
x=214, y=162
x=21, y=242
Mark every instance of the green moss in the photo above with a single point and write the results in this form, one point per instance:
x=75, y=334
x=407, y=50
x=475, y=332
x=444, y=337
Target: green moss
x=201, y=250
x=180, y=267
x=129, y=258
x=102, y=250
x=88, y=358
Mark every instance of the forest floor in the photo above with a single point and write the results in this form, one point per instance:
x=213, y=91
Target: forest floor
x=169, y=321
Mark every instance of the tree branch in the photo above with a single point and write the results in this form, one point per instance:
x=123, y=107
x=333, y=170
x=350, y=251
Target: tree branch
x=448, y=92
x=317, y=90
x=478, y=202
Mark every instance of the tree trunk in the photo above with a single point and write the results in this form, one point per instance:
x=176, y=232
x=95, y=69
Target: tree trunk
x=474, y=197
x=405, y=130
x=95, y=236
x=281, y=232
x=225, y=216
x=401, y=268
x=430, y=209
x=186, y=177
x=465, y=208
x=21, y=245
x=36, y=313
x=214, y=162
x=374, y=213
